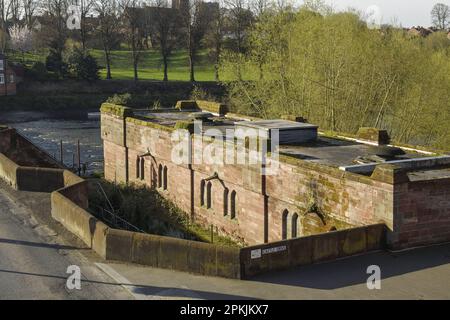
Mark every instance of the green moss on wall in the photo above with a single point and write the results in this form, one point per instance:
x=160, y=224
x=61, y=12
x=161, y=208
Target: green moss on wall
x=116, y=110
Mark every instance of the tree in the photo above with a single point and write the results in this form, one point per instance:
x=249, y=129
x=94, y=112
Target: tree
x=83, y=66
x=86, y=7
x=440, y=16
x=54, y=31
x=21, y=39
x=215, y=37
x=30, y=8
x=132, y=27
x=335, y=71
x=164, y=28
x=196, y=22
x=240, y=19
x=108, y=29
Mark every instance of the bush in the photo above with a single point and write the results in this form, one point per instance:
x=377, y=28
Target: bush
x=38, y=72
x=120, y=99
x=199, y=93
x=54, y=63
x=83, y=66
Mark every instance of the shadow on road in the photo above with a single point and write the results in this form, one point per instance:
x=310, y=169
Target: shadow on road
x=140, y=289
x=38, y=245
x=353, y=271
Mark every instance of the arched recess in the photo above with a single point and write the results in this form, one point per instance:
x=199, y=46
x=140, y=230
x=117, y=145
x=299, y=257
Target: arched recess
x=294, y=226
x=165, y=178
x=160, y=176
x=138, y=167
x=202, y=192
x=142, y=169
x=284, y=224
x=209, y=195
x=233, y=205
x=226, y=193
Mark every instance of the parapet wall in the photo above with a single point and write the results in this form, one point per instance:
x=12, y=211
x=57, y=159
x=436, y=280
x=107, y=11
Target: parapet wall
x=312, y=249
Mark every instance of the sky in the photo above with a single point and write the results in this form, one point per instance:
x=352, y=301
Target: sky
x=408, y=13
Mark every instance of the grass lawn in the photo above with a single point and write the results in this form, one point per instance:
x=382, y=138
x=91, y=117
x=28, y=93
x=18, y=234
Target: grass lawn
x=150, y=65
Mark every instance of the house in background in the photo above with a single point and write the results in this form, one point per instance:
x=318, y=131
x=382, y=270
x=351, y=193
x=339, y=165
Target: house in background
x=7, y=78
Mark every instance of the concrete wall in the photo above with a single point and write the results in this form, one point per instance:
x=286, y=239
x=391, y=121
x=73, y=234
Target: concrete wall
x=312, y=249
x=8, y=170
x=171, y=253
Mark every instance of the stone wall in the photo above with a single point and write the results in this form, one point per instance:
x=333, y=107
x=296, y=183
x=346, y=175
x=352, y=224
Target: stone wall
x=422, y=213
x=315, y=197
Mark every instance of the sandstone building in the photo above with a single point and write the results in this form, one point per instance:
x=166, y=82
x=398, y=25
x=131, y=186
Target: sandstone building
x=323, y=184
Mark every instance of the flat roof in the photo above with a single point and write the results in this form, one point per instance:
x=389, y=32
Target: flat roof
x=325, y=150
x=281, y=125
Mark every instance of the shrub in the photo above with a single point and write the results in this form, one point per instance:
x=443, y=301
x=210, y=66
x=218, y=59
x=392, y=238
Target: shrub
x=120, y=99
x=199, y=93
x=54, y=63
x=83, y=66
x=38, y=72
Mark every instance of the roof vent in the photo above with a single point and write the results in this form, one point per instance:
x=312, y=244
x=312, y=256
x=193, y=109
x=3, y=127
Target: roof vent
x=290, y=132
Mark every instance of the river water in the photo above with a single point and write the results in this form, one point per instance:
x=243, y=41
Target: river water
x=47, y=130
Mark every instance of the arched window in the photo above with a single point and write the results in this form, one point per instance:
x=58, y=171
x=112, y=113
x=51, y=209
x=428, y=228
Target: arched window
x=165, y=178
x=160, y=176
x=142, y=169
x=202, y=193
x=225, y=202
x=209, y=195
x=284, y=225
x=294, y=226
x=233, y=205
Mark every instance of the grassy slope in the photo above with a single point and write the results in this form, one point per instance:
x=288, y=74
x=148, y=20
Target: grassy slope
x=150, y=65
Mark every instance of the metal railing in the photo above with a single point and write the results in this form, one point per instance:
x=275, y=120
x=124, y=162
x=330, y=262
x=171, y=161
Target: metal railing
x=112, y=219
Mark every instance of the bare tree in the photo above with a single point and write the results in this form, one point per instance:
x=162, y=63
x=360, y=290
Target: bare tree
x=86, y=8
x=440, y=16
x=29, y=10
x=55, y=29
x=196, y=22
x=240, y=19
x=132, y=22
x=259, y=7
x=165, y=30
x=108, y=28
x=215, y=36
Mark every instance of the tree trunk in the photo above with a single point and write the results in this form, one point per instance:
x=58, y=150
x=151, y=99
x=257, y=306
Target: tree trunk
x=191, y=67
x=166, y=77
x=108, y=65
x=135, y=65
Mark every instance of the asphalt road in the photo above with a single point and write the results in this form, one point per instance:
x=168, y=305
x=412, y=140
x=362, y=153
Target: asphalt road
x=34, y=261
